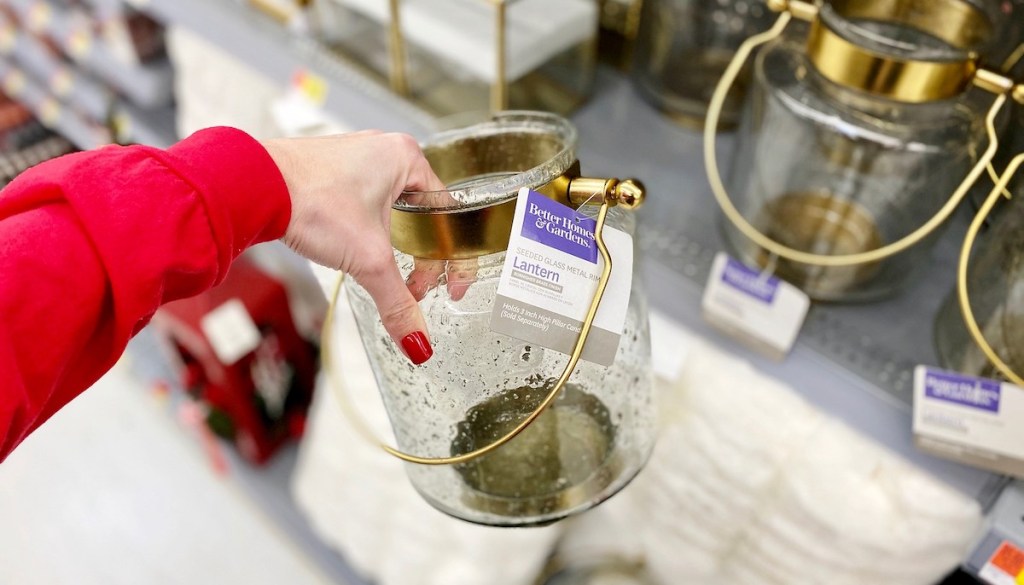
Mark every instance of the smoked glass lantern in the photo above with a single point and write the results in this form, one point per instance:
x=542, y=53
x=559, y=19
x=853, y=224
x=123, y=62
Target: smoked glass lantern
x=864, y=130
x=598, y=430
x=683, y=47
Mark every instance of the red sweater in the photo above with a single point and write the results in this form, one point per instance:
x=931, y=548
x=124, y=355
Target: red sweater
x=92, y=243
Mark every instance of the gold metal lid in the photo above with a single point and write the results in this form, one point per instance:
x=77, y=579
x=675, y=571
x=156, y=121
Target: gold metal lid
x=843, y=48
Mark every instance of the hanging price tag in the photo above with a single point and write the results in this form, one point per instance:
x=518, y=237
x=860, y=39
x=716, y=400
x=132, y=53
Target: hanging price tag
x=1006, y=567
x=973, y=420
x=550, y=275
x=758, y=309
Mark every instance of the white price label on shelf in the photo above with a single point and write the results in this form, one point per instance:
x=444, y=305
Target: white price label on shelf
x=756, y=308
x=231, y=331
x=976, y=421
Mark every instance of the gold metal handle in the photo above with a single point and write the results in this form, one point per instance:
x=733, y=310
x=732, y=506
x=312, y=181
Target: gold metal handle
x=334, y=378
x=961, y=282
x=774, y=247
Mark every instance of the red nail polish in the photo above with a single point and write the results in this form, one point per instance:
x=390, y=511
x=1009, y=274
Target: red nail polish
x=417, y=347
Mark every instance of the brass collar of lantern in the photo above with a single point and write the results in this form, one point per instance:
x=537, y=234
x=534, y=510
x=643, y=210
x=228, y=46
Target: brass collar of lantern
x=842, y=61
x=462, y=231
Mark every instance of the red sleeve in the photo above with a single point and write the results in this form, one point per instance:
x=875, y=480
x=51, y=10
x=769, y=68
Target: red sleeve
x=92, y=243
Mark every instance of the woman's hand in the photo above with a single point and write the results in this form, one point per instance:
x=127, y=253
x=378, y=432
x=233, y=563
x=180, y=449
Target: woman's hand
x=342, y=188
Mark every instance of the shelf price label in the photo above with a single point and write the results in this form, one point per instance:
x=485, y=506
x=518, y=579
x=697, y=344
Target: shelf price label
x=976, y=421
x=311, y=86
x=756, y=308
x=1006, y=567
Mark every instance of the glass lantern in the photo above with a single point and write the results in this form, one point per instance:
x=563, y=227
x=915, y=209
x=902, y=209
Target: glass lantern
x=682, y=49
x=455, y=56
x=479, y=385
x=858, y=143
x=980, y=328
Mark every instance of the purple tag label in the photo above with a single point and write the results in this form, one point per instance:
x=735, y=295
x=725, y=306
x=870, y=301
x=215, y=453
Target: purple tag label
x=965, y=390
x=750, y=281
x=559, y=227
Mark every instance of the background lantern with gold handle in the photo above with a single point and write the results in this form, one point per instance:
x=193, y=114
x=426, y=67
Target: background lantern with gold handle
x=499, y=431
x=859, y=142
x=980, y=328
x=682, y=48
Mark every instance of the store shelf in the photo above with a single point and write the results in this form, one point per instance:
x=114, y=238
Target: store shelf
x=49, y=110
x=62, y=80
x=148, y=85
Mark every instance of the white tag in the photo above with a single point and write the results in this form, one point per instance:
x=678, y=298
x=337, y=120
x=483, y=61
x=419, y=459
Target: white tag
x=973, y=420
x=756, y=308
x=550, y=276
x=230, y=331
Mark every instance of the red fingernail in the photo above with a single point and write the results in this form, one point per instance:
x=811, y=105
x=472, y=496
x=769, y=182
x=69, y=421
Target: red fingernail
x=417, y=347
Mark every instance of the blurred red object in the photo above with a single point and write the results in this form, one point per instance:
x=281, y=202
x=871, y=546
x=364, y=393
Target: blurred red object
x=244, y=360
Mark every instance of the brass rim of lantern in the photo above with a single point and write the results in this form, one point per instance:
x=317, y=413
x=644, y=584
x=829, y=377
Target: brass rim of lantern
x=841, y=60
x=489, y=150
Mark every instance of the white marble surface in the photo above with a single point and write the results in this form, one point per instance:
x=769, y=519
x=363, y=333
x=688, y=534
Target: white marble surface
x=113, y=490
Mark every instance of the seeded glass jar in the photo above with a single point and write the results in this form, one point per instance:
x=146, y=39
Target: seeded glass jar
x=598, y=432
x=456, y=56
x=857, y=143
x=682, y=48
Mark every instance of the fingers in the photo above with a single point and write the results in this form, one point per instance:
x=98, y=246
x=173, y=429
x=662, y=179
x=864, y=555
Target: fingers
x=421, y=176
x=426, y=276
x=398, y=310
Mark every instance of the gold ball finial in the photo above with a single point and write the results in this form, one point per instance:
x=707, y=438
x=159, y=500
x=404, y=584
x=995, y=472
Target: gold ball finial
x=630, y=193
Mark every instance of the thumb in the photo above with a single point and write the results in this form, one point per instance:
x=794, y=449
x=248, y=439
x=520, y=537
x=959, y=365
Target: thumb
x=398, y=310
